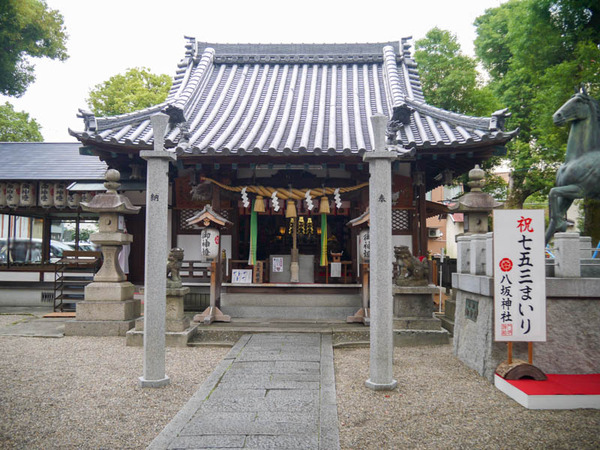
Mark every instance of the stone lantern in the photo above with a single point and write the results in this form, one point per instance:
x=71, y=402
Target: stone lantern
x=109, y=308
x=475, y=205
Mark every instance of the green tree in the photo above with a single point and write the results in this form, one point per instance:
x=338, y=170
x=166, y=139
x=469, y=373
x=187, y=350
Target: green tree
x=16, y=126
x=136, y=89
x=450, y=79
x=28, y=29
x=536, y=52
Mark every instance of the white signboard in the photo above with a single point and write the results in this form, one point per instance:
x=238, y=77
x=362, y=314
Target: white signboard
x=277, y=264
x=519, y=276
x=241, y=276
x=336, y=270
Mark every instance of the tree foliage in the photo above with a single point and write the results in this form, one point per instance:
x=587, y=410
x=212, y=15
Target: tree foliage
x=123, y=93
x=537, y=52
x=16, y=126
x=450, y=79
x=28, y=29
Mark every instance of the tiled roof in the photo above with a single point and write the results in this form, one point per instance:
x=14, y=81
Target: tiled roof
x=292, y=99
x=48, y=161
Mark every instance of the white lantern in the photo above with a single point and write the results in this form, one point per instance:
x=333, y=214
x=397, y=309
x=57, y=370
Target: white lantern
x=46, y=194
x=364, y=245
x=28, y=194
x=2, y=195
x=12, y=194
x=60, y=195
x=73, y=200
x=209, y=244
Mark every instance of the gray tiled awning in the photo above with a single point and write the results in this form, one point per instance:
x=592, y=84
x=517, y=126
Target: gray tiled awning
x=48, y=161
x=280, y=99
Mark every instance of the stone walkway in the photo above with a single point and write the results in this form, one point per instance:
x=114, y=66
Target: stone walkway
x=270, y=391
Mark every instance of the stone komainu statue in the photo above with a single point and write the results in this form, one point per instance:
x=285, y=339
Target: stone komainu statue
x=408, y=270
x=173, y=267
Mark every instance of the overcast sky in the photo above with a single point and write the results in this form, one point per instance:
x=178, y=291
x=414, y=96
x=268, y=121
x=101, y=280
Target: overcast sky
x=106, y=37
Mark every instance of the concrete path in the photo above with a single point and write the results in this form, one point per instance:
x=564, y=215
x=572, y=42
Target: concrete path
x=270, y=391
x=29, y=322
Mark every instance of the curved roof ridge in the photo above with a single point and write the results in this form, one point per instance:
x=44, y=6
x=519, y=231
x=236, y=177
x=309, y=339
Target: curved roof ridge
x=125, y=119
x=194, y=79
x=443, y=114
x=393, y=77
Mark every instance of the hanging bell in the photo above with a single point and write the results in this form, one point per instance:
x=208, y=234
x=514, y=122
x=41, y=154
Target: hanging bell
x=291, y=209
x=324, y=205
x=259, y=204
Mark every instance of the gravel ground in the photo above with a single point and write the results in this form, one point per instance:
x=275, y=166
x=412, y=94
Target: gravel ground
x=441, y=403
x=82, y=393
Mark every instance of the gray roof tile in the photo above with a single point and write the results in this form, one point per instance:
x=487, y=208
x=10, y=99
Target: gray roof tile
x=293, y=99
x=48, y=161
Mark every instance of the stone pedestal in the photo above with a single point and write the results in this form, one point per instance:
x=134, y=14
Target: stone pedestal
x=176, y=320
x=414, y=321
x=447, y=317
x=178, y=329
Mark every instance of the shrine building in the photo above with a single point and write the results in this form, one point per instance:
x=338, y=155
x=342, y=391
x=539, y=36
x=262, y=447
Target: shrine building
x=272, y=137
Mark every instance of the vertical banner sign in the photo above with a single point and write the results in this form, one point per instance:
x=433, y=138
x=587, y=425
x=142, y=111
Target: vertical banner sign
x=519, y=276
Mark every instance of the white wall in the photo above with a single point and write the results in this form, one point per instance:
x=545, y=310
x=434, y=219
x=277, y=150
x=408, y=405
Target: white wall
x=398, y=240
x=190, y=243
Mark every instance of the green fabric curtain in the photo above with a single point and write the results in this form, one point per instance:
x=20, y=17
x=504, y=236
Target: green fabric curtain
x=253, y=235
x=324, y=239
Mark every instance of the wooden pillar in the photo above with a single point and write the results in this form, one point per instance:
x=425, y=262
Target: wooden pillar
x=235, y=232
x=422, y=207
x=46, y=238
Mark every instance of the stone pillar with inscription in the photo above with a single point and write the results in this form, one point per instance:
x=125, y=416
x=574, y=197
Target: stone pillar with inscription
x=381, y=297
x=109, y=308
x=155, y=288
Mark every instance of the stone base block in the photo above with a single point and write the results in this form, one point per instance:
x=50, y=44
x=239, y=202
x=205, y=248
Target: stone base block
x=381, y=386
x=135, y=338
x=109, y=291
x=143, y=383
x=177, y=326
x=174, y=326
x=417, y=323
x=98, y=328
x=108, y=310
x=413, y=338
x=409, y=304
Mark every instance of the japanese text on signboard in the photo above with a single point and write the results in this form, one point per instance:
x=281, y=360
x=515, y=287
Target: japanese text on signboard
x=519, y=276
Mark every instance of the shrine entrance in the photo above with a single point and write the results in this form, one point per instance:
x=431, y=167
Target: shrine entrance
x=275, y=239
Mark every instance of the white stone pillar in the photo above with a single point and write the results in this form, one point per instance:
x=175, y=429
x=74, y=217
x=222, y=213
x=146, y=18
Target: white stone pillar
x=463, y=244
x=585, y=245
x=489, y=254
x=380, y=289
x=155, y=289
x=477, y=254
x=567, y=255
